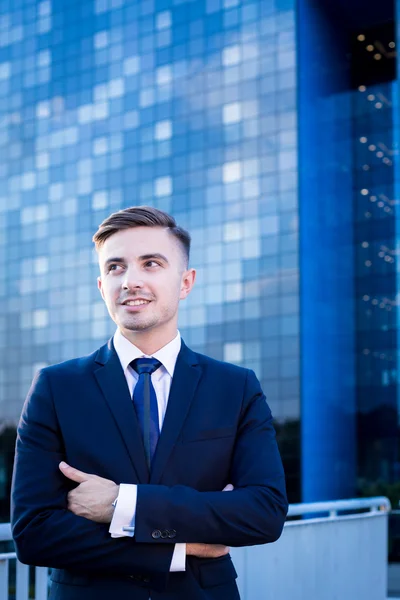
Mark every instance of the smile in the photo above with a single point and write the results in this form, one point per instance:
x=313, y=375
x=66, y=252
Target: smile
x=136, y=302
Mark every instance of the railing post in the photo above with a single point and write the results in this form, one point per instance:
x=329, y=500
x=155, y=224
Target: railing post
x=22, y=582
x=4, y=579
x=41, y=583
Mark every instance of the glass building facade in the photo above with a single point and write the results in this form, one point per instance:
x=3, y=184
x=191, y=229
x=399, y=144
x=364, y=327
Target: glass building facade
x=245, y=120
x=348, y=157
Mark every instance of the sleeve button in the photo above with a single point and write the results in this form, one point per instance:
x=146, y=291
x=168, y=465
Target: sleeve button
x=156, y=534
x=171, y=533
x=164, y=534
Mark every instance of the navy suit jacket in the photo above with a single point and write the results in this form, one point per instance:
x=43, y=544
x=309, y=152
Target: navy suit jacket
x=217, y=430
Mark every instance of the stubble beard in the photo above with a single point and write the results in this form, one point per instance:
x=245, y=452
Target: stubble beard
x=138, y=323
x=141, y=322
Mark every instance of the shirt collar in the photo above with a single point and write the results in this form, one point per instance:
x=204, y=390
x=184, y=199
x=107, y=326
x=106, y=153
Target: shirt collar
x=127, y=352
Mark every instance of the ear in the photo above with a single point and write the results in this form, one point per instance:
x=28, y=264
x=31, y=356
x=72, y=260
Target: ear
x=188, y=279
x=100, y=287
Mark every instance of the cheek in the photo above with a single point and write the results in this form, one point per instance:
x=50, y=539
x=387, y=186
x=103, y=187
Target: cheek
x=166, y=288
x=109, y=291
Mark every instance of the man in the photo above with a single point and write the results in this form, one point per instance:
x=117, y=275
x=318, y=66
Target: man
x=137, y=466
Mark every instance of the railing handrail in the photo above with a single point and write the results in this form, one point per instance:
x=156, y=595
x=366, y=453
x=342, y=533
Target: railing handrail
x=7, y=556
x=333, y=506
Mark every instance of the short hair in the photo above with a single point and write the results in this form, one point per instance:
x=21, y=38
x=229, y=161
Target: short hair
x=141, y=216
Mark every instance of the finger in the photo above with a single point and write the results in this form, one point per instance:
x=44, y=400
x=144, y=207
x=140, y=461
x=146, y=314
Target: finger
x=76, y=509
x=222, y=551
x=73, y=474
x=228, y=488
x=72, y=497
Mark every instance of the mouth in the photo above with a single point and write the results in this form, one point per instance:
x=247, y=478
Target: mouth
x=135, y=305
x=135, y=302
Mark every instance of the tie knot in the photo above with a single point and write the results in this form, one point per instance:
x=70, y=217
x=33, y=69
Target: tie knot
x=145, y=365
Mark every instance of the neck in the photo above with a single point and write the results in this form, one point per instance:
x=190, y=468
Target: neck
x=149, y=342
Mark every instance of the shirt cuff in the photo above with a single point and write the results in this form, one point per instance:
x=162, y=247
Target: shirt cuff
x=125, y=511
x=178, y=562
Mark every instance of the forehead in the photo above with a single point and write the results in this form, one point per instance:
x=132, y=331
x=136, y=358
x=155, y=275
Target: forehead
x=139, y=241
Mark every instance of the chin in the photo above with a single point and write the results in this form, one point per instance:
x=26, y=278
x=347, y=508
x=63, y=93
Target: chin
x=138, y=325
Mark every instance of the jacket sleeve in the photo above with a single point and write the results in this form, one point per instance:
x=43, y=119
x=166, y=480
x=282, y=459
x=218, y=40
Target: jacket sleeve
x=45, y=532
x=253, y=513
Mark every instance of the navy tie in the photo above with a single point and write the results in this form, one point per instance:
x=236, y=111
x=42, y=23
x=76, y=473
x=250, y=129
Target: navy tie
x=145, y=401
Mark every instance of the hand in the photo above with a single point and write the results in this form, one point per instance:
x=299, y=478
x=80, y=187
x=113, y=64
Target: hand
x=93, y=497
x=206, y=550
x=209, y=550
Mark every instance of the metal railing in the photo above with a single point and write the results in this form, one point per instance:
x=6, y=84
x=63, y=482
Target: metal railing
x=290, y=568
x=21, y=575
x=333, y=550
x=333, y=507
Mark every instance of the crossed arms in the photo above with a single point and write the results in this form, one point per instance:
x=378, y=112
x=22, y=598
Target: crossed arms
x=47, y=531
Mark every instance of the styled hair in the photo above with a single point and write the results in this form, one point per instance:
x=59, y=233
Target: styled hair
x=141, y=216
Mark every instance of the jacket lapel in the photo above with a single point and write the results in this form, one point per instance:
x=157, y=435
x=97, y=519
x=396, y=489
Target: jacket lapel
x=184, y=382
x=111, y=379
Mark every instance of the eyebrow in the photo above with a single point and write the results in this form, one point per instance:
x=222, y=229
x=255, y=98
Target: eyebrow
x=113, y=260
x=155, y=255
x=142, y=258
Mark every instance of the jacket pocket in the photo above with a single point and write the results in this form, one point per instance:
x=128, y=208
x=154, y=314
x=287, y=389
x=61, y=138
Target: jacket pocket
x=208, y=434
x=217, y=571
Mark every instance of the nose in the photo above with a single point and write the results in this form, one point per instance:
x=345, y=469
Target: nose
x=132, y=280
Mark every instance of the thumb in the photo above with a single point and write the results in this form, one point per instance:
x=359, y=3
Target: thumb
x=71, y=473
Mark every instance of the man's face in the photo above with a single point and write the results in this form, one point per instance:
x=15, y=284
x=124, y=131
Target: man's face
x=143, y=277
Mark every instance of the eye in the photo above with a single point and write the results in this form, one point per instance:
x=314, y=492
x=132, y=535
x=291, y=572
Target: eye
x=112, y=267
x=151, y=263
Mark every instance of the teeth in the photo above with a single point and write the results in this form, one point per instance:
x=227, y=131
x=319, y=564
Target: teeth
x=137, y=302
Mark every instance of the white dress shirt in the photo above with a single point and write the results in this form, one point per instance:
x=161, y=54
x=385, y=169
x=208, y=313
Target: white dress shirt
x=125, y=511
